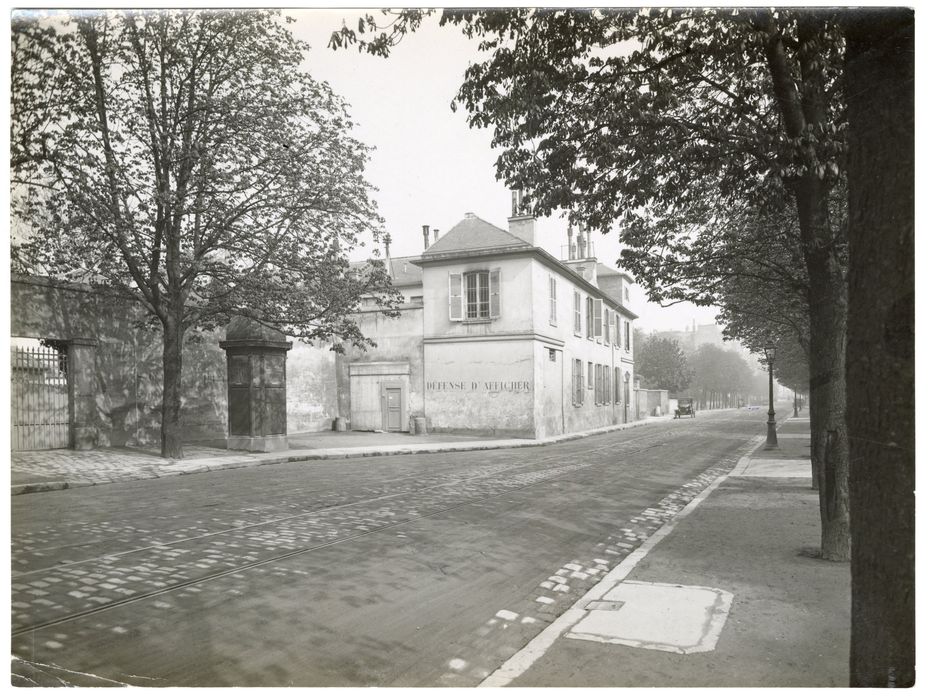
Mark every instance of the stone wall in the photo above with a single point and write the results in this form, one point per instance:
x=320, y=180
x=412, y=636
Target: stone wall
x=126, y=361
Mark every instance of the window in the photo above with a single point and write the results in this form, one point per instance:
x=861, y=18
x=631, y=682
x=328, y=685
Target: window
x=552, y=301
x=577, y=316
x=607, y=385
x=598, y=387
x=615, y=329
x=589, y=317
x=577, y=382
x=628, y=337
x=477, y=294
x=606, y=327
x=589, y=375
x=474, y=295
x=617, y=388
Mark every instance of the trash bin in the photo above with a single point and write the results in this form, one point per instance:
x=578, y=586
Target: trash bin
x=418, y=425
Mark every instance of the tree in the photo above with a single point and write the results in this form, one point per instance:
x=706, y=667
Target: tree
x=659, y=120
x=720, y=377
x=185, y=159
x=661, y=364
x=881, y=366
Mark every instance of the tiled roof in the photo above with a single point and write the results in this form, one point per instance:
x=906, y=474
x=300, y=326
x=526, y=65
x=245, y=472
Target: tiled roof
x=473, y=233
x=403, y=273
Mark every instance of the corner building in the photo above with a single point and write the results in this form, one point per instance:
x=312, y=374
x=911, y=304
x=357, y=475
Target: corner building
x=513, y=341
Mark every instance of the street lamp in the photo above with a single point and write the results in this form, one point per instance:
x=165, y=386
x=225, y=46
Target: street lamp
x=770, y=352
x=628, y=377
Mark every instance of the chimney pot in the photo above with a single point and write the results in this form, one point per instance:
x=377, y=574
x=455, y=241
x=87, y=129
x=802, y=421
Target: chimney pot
x=434, y=235
x=425, y=234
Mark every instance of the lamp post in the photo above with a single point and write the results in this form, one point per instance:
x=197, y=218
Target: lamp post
x=770, y=353
x=628, y=376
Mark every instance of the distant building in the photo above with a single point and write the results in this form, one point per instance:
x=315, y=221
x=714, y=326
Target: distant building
x=495, y=335
x=696, y=335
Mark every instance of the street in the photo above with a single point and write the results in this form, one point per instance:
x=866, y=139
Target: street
x=418, y=570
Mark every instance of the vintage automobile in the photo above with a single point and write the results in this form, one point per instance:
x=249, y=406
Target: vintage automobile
x=685, y=407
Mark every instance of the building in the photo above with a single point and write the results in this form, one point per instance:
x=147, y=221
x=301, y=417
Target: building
x=496, y=335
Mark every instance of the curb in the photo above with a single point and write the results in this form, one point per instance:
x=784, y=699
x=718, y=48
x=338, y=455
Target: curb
x=381, y=451
x=517, y=664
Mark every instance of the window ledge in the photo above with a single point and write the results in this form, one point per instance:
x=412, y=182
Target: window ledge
x=473, y=321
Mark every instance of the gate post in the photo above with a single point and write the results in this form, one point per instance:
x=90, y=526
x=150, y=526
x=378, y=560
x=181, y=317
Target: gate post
x=82, y=393
x=256, y=357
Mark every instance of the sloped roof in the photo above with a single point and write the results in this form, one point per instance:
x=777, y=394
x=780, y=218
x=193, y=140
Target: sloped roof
x=405, y=273
x=606, y=271
x=473, y=233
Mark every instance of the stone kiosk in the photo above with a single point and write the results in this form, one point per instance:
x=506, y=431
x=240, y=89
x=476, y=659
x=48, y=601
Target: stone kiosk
x=257, y=381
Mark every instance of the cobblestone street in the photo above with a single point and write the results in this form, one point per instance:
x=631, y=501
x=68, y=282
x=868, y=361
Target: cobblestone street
x=372, y=571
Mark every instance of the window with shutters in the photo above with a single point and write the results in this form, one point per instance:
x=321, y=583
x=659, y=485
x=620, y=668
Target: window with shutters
x=578, y=330
x=628, y=337
x=552, y=300
x=598, y=385
x=606, y=327
x=589, y=375
x=474, y=296
x=617, y=388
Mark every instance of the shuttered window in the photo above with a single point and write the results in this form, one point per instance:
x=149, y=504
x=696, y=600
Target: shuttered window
x=598, y=318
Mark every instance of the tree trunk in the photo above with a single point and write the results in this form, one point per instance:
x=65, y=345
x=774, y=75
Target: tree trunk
x=881, y=330
x=172, y=362
x=827, y=350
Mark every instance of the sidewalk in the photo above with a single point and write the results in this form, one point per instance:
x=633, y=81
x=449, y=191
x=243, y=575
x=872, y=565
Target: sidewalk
x=728, y=593
x=52, y=470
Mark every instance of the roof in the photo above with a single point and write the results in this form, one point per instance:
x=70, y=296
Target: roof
x=473, y=233
x=606, y=271
x=405, y=273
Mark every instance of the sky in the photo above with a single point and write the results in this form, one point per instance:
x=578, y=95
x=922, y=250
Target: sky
x=429, y=167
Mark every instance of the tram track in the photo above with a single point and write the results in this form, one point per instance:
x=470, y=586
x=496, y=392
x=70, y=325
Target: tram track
x=638, y=444
x=485, y=471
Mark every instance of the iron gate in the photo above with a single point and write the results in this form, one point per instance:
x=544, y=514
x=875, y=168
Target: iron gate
x=39, y=397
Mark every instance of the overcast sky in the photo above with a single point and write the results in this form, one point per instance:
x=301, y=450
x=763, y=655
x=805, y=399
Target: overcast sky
x=429, y=166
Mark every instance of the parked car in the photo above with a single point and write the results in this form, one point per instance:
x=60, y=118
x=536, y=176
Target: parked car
x=685, y=407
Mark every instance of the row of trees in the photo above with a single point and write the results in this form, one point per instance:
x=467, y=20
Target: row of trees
x=716, y=377
x=759, y=160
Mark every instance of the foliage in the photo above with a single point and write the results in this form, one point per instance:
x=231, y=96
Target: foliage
x=679, y=125
x=722, y=371
x=184, y=158
x=661, y=364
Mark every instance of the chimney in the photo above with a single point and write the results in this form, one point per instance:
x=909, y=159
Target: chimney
x=425, y=235
x=570, y=241
x=386, y=246
x=434, y=236
x=522, y=221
